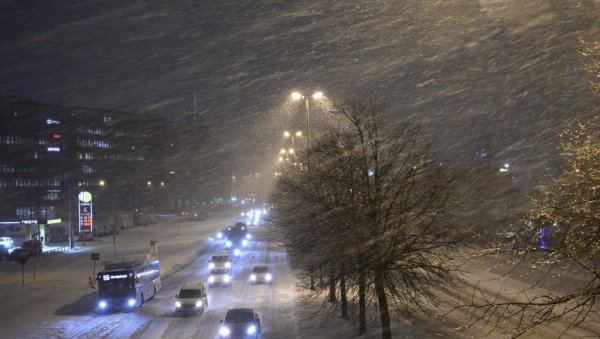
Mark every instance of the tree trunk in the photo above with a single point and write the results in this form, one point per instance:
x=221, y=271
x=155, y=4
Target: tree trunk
x=386, y=331
x=343, y=297
x=362, y=305
x=332, y=297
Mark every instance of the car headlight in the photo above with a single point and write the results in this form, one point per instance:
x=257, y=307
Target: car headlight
x=251, y=329
x=211, y=265
x=228, y=244
x=131, y=302
x=245, y=242
x=227, y=279
x=219, y=235
x=236, y=252
x=199, y=303
x=248, y=236
x=211, y=279
x=102, y=304
x=224, y=331
x=177, y=304
x=268, y=277
x=253, y=277
x=228, y=265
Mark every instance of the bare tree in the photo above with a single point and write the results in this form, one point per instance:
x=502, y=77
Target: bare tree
x=377, y=206
x=563, y=235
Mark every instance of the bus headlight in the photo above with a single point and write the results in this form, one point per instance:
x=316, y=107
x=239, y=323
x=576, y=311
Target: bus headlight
x=251, y=330
x=177, y=304
x=211, y=265
x=253, y=277
x=236, y=252
x=220, y=235
x=211, y=279
x=224, y=331
x=131, y=302
x=268, y=277
x=248, y=236
x=228, y=265
x=102, y=304
x=228, y=244
x=227, y=279
x=245, y=242
x=199, y=303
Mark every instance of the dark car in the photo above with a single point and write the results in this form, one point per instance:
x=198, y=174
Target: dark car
x=240, y=323
x=18, y=254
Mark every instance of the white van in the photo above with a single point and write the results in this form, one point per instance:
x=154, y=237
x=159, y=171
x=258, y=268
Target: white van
x=219, y=260
x=191, y=298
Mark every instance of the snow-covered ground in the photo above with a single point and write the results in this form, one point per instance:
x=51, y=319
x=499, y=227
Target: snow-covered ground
x=60, y=304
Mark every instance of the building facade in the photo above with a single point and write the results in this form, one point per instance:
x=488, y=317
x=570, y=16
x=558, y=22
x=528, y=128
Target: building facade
x=128, y=162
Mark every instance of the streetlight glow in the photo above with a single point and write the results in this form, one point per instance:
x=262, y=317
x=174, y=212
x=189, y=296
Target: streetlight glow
x=101, y=183
x=317, y=95
x=297, y=96
x=286, y=134
x=299, y=133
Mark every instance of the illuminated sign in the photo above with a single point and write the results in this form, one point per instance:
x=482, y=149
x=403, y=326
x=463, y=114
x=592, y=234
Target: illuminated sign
x=85, y=212
x=53, y=149
x=108, y=277
x=52, y=122
x=56, y=136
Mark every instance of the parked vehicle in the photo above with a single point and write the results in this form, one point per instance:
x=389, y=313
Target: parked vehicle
x=191, y=298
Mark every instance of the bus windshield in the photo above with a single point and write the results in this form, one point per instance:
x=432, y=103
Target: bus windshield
x=116, y=284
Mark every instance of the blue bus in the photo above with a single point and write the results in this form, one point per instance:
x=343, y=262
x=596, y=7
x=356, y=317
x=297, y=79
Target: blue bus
x=128, y=283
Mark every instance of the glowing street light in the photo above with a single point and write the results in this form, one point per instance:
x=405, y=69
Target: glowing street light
x=315, y=96
x=287, y=134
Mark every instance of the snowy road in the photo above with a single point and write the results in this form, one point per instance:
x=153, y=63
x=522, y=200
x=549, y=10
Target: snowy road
x=61, y=307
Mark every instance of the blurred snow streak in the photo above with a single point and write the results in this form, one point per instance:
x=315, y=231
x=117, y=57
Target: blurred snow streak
x=502, y=75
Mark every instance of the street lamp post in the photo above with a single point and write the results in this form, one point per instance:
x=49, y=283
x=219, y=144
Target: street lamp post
x=316, y=96
x=287, y=134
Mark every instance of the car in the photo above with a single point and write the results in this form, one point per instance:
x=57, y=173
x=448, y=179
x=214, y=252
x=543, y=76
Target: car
x=219, y=260
x=191, y=298
x=261, y=274
x=219, y=276
x=7, y=242
x=18, y=254
x=240, y=323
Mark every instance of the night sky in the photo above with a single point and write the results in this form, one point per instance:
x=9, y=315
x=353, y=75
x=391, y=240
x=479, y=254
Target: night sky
x=504, y=75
